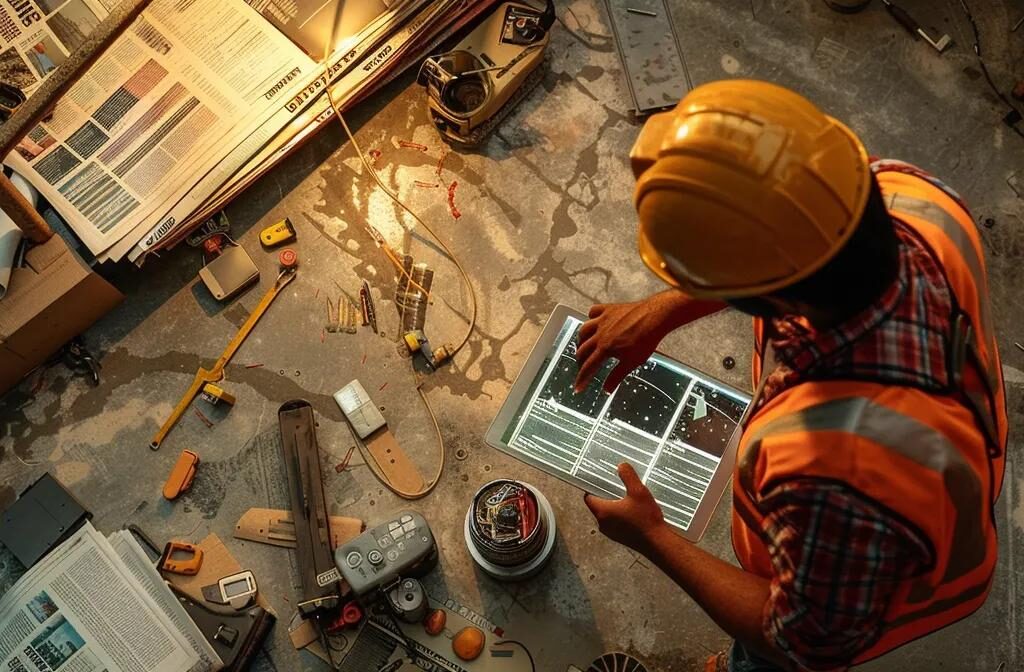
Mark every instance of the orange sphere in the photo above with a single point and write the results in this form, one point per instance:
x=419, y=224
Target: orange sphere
x=468, y=644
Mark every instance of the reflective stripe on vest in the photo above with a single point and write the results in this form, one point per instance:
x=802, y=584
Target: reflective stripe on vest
x=937, y=215
x=906, y=437
x=982, y=404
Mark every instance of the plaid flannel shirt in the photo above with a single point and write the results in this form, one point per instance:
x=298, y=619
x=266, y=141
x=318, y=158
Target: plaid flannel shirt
x=838, y=556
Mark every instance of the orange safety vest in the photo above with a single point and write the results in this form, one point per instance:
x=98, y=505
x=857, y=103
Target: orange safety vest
x=934, y=460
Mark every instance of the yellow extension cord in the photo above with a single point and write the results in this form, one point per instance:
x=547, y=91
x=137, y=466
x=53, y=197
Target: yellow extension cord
x=371, y=463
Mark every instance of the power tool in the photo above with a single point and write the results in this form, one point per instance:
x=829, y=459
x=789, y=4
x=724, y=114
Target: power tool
x=473, y=87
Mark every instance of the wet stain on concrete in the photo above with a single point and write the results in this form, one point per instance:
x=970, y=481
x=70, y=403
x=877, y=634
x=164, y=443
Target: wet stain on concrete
x=258, y=466
x=121, y=368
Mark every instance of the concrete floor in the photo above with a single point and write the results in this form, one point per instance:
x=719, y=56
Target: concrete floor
x=546, y=218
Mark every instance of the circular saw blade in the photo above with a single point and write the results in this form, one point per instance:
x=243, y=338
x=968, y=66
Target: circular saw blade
x=617, y=662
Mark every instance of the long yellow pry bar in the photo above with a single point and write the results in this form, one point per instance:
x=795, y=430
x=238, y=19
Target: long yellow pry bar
x=216, y=374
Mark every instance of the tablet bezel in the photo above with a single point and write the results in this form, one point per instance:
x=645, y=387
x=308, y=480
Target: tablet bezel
x=521, y=386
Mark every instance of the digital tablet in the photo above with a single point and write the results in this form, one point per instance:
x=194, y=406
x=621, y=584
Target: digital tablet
x=672, y=423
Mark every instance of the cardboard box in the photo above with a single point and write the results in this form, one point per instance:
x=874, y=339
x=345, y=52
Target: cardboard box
x=52, y=299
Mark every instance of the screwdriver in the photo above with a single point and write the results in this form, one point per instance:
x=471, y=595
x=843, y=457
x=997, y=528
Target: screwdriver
x=914, y=28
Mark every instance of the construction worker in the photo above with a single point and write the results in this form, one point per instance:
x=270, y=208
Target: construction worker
x=871, y=457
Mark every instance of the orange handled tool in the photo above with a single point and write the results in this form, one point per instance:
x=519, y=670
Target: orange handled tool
x=171, y=559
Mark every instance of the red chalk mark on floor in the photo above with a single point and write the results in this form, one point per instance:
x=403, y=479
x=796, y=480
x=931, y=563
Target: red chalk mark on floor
x=451, y=200
x=374, y=155
x=426, y=185
x=440, y=162
x=412, y=145
x=202, y=416
x=343, y=465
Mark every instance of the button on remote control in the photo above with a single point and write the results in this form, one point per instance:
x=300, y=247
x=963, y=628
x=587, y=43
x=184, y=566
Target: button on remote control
x=354, y=559
x=375, y=557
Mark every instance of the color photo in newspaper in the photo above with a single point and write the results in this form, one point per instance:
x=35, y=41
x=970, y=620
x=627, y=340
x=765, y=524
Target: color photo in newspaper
x=37, y=35
x=54, y=644
x=80, y=610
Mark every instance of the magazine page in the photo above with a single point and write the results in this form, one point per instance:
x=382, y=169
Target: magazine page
x=177, y=92
x=144, y=571
x=11, y=570
x=79, y=610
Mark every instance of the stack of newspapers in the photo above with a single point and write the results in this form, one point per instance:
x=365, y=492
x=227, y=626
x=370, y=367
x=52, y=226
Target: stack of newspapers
x=97, y=604
x=196, y=100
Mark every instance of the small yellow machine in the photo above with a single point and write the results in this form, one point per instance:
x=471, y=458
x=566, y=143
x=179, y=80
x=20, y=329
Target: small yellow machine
x=474, y=86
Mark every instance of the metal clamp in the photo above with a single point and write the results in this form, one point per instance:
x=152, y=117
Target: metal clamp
x=960, y=343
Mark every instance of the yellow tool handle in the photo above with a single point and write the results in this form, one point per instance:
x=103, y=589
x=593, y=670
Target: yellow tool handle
x=202, y=377
x=217, y=373
x=254, y=317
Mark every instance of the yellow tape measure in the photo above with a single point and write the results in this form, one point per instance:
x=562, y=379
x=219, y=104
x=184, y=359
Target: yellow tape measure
x=278, y=234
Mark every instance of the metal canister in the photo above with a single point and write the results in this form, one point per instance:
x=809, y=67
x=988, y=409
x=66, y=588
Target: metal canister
x=408, y=601
x=510, y=529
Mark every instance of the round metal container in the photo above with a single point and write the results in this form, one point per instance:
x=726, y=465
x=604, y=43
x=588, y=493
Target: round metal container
x=510, y=529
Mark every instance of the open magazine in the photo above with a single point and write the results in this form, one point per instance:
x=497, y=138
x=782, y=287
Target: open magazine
x=97, y=604
x=195, y=100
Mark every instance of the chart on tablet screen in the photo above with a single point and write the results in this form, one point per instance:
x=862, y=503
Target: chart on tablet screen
x=672, y=426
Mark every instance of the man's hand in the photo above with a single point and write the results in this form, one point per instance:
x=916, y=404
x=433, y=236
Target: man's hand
x=734, y=598
x=633, y=520
x=630, y=332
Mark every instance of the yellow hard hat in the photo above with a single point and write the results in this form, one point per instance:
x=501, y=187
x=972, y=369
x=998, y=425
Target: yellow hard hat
x=745, y=188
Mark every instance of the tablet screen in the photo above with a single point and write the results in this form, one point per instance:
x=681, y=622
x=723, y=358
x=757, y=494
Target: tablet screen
x=673, y=424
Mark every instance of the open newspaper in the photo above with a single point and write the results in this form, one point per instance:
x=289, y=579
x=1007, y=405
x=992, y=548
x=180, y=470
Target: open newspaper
x=195, y=100
x=414, y=38
x=98, y=605
x=383, y=48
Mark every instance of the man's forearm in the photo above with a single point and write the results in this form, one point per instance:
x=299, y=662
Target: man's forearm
x=680, y=309
x=732, y=597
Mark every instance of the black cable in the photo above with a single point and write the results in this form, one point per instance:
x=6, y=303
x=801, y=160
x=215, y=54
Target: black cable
x=533, y=665
x=584, y=36
x=988, y=76
x=325, y=641
x=407, y=643
x=326, y=645
x=344, y=642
